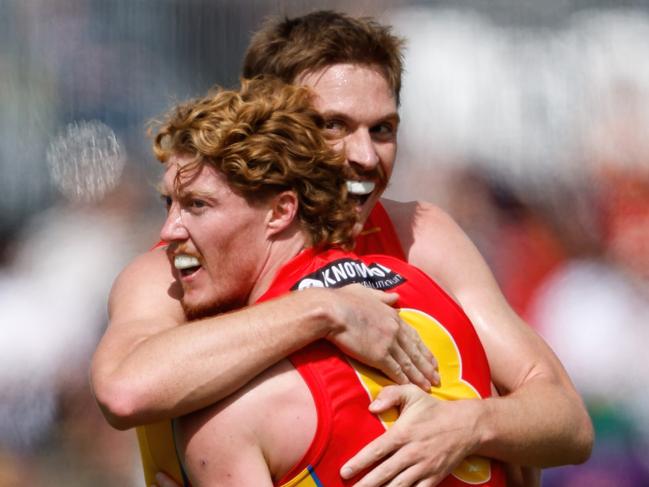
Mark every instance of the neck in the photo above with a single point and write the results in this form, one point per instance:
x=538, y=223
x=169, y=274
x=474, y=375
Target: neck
x=281, y=250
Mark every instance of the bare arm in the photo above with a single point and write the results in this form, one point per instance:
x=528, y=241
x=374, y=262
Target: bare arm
x=234, y=459
x=263, y=430
x=539, y=420
x=148, y=367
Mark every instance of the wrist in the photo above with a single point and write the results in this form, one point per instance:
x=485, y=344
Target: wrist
x=483, y=426
x=321, y=312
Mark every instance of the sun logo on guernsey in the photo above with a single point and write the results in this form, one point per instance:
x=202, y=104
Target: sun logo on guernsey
x=473, y=470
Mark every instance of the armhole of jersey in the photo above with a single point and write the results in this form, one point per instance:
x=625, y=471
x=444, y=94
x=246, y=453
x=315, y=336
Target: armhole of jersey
x=301, y=361
x=183, y=472
x=414, y=269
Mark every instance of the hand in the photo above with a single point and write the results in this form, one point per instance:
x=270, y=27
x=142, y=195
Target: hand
x=371, y=331
x=428, y=441
x=163, y=480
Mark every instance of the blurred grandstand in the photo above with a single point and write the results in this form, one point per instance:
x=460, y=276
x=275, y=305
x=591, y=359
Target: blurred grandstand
x=528, y=121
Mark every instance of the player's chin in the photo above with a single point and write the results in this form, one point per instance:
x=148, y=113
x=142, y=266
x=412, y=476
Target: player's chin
x=197, y=309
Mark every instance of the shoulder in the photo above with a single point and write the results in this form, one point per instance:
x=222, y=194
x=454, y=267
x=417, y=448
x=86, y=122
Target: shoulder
x=415, y=221
x=154, y=263
x=431, y=239
x=146, y=286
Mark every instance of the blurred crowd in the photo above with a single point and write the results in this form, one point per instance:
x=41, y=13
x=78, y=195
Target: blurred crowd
x=531, y=129
x=540, y=150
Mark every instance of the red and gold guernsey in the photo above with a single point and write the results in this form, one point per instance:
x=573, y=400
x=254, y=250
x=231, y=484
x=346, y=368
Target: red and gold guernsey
x=378, y=236
x=343, y=388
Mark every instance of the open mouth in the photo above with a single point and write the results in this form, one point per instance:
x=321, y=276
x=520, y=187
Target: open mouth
x=360, y=191
x=186, y=264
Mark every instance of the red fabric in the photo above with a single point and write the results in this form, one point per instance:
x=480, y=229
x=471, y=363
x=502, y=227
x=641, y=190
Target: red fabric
x=378, y=236
x=344, y=423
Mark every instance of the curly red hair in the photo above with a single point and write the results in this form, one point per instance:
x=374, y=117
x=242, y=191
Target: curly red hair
x=265, y=138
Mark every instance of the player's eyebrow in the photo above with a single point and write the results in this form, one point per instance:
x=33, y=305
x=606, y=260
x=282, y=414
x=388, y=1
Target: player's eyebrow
x=195, y=193
x=181, y=193
x=161, y=189
x=393, y=117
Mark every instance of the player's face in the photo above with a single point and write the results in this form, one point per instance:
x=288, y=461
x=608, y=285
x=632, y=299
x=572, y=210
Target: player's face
x=217, y=243
x=360, y=111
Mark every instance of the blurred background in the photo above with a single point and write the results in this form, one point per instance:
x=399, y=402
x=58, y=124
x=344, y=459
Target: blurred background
x=528, y=121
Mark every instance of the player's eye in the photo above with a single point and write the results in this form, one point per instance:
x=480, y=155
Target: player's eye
x=194, y=205
x=335, y=127
x=386, y=130
x=166, y=201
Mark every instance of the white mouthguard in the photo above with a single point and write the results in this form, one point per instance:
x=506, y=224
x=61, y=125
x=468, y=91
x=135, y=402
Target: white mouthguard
x=360, y=187
x=185, y=261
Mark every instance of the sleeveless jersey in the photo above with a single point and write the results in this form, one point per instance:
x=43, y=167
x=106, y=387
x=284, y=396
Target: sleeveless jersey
x=156, y=441
x=378, y=236
x=343, y=388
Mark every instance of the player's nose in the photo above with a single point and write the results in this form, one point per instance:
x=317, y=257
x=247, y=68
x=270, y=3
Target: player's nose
x=360, y=150
x=173, y=228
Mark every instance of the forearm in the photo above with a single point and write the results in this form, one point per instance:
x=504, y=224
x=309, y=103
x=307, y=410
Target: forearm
x=150, y=365
x=539, y=420
x=543, y=423
x=185, y=368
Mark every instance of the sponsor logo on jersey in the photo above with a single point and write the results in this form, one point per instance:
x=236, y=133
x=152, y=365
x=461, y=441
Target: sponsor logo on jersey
x=348, y=271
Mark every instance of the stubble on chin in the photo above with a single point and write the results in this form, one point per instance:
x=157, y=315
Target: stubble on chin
x=206, y=310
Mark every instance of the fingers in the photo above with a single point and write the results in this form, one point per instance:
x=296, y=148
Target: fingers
x=412, y=373
x=388, y=298
x=423, y=362
x=389, y=397
x=401, y=469
x=421, y=357
x=408, y=477
x=392, y=369
x=397, y=348
x=423, y=349
x=432, y=360
x=370, y=454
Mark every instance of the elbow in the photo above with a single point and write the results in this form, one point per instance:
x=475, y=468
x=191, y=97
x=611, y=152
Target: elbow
x=119, y=402
x=584, y=439
x=578, y=434
x=583, y=432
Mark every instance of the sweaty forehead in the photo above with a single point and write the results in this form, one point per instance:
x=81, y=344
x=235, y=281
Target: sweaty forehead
x=343, y=78
x=356, y=90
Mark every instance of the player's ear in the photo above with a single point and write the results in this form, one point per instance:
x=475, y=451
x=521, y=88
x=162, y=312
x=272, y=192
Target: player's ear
x=283, y=212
